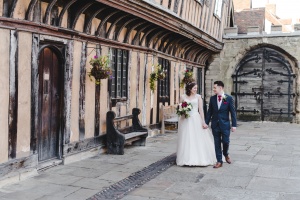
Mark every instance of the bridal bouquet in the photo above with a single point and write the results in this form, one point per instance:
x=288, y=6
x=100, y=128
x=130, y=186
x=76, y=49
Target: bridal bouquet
x=183, y=109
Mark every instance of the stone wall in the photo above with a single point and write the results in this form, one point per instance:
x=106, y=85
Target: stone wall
x=223, y=65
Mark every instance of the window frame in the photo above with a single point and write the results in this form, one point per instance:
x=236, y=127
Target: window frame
x=119, y=83
x=200, y=80
x=218, y=8
x=164, y=85
x=201, y=2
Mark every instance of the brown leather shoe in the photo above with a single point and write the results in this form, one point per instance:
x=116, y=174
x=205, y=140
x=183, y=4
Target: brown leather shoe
x=218, y=165
x=227, y=158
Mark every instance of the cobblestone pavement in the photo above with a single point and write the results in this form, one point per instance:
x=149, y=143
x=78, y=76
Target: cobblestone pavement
x=266, y=165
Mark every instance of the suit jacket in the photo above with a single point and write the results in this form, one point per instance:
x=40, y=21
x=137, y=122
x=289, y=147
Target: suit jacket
x=220, y=117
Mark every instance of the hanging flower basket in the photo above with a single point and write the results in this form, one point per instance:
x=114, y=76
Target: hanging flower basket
x=188, y=78
x=100, y=69
x=157, y=74
x=161, y=75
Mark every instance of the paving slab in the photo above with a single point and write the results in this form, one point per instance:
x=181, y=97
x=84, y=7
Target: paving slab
x=92, y=183
x=289, y=196
x=274, y=184
x=80, y=194
x=266, y=166
x=271, y=171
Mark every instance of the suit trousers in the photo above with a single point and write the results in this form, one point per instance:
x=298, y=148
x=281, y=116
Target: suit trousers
x=221, y=136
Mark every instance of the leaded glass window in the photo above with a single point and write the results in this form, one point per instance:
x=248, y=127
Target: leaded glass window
x=119, y=65
x=218, y=8
x=199, y=80
x=164, y=85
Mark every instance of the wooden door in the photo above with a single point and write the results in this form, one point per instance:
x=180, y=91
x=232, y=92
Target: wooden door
x=50, y=87
x=264, y=87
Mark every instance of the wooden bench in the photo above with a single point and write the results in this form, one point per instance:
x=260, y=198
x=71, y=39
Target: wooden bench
x=169, y=121
x=116, y=138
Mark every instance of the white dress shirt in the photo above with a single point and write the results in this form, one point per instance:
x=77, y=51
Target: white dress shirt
x=220, y=102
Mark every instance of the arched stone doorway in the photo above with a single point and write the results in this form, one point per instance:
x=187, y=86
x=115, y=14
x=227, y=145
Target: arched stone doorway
x=263, y=87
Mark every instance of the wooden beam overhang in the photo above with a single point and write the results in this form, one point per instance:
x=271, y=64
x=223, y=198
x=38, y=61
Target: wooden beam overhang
x=144, y=26
x=143, y=9
x=37, y=28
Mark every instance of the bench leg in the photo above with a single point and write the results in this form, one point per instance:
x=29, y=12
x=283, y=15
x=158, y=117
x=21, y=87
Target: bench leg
x=140, y=142
x=115, y=149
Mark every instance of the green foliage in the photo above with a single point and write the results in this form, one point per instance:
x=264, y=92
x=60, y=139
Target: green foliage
x=188, y=78
x=157, y=74
x=100, y=69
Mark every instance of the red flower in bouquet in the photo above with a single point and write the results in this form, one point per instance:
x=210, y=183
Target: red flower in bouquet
x=183, y=109
x=184, y=104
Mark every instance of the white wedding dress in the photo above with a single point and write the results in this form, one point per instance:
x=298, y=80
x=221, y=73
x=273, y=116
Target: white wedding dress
x=195, y=145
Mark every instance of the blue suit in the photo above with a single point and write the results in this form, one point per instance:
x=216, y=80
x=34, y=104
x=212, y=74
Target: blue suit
x=220, y=123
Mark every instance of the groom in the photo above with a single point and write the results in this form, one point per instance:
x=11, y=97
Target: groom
x=220, y=105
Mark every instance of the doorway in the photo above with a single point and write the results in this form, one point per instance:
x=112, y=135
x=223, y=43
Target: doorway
x=50, y=103
x=263, y=87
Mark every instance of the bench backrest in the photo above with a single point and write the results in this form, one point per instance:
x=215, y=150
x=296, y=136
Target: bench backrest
x=168, y=111
x=136, y=126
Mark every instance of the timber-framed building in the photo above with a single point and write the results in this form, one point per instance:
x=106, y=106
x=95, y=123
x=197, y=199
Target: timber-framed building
x=50, y=110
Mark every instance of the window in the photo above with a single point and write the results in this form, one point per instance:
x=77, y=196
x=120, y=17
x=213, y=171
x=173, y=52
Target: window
x=218, y=8
x=201, y=1
x=199, y=80
x=119, y=65
x=164, y=85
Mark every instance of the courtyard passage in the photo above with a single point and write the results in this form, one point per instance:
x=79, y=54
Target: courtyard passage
x=266, y=166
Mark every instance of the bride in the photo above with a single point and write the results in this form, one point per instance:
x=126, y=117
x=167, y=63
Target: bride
x=195, y=144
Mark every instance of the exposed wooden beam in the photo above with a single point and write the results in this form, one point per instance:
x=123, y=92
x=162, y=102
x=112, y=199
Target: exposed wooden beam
x=82, y=91
x=9, y=7
x=163, y=19
x=146, y=34
x=161, y=37
x=13, y=95
x=122, y=27
x=28, y=26
x=114, y=24
x=64, y=10
x=126, y=38
x=79, y=12
x=97, y=100
x=188, y=50
x=89, y=20
x=155, y=35
x=100, y=28
x=136, y=36
x=48, y=11
x=171, y=41
x=29, y=12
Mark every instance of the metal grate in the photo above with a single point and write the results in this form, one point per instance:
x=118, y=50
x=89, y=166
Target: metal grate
x=135, y=180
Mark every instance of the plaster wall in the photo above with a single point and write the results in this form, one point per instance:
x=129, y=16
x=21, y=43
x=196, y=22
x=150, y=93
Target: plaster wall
x=4, y=97
x=24, y=95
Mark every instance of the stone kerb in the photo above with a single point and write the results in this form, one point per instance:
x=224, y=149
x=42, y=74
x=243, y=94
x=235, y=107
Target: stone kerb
x=253, y=30
x=276, y=29
x=231, y=31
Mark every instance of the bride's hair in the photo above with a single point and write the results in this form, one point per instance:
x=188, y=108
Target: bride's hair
x=188, y=88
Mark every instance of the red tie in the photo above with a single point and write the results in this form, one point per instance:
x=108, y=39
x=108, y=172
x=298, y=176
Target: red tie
x=219, y=98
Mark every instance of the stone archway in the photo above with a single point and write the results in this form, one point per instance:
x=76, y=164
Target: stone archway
x=263, y=87
x=222, y=66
